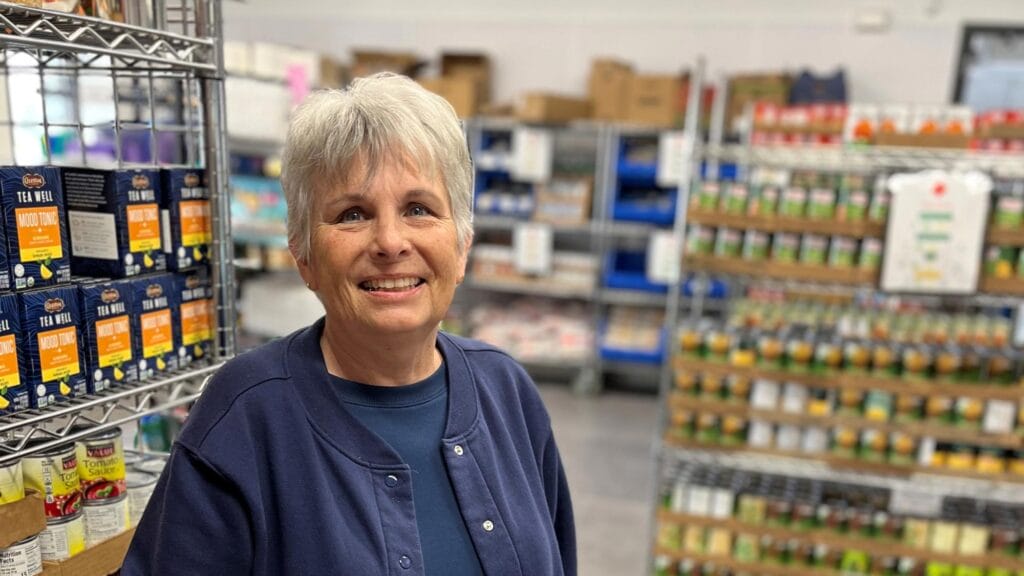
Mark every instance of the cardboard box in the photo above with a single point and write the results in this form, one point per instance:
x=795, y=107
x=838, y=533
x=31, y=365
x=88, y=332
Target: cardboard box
x=564, y=201
x=368, y=62
x=657, y=100
x=50, y=320
x=100, y=560
x=14, y=392
x=194, y=317
x=154, y=299
x=608, y=88
x=114, y=222
x=923, y=140
x=108, y=342
x=549, y=108
x=35, y=225
x=333, y=74
x=21, y=519
x=187, y=224
x=461, y=92
x=472, y=65
x=751, y=88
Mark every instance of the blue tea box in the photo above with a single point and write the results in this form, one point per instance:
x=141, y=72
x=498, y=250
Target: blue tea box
x=34, y=220
x=107, y=331
x=14, y=394
x=114, y=222
x=50, y=321
x=153, y=303
x=194, y=315
x=187, y=222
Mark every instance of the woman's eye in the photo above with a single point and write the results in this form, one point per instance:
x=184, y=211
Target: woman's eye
x=352, y=215
x=418, y=210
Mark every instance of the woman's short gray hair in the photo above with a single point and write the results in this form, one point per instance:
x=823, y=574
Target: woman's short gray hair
x=378, y=119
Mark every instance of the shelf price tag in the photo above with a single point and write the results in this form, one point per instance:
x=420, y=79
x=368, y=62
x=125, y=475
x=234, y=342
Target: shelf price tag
x=664, y=257
x=935, y=232
x=532, y=248
x=674, y=153
x=532, y=150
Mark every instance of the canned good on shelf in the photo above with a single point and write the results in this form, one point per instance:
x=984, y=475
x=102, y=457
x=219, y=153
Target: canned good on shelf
x=63, y=537
x=105, y=518
x=54, y=474
x=23, y=558
x=12, y=484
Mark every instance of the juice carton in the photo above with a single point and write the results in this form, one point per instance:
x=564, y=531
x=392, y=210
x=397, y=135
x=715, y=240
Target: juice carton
x=14, y=393
x=194, y=317
x=107, y=331
x=187, y=225
x=50, y=320
x=37, y=239
x=153, y=300
x=114, y=222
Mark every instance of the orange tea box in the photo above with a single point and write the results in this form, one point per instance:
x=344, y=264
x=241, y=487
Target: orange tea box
x=187, y=223
x=194, y=315
x=110, y=356
x=153, y=303
x=37, y=240
x=50, y=327
x=13, y=387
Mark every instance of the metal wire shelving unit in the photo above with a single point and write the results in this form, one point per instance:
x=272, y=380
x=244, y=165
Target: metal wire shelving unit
x=167, y=88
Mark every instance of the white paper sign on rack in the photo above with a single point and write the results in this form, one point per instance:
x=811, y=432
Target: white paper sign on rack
x=935, y=232
x=664, y=257
x=532, y=248
x=673, y=158
x=532, y=150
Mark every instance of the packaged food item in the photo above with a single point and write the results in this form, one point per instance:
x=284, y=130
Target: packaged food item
x=734, y=200
x=853, y=199
x=690, y=339
x=728, y=243
x=733, y=429
x=873, y=445
x=717, y=343
x=682, y=424
x=1000, y=367
x=107, y=331
x=850, y=401
x=785, y=247
x=844, y=441
x=878, y=406
x=968, y=412
x=699, y=240
x=814, y=440
x=917, y=362
x=821, y=402
x=870, y=254
x=813, y=249
x=857, y=356
x=909, y=408
x=114, y=222
x=767, y=202
x=878, y=210
x=799, y=349
x=755, y=246
x=195, y=317
x=37, y=253
x=14, y=386
x=828, y=355
x=154, y=299
x=686, y=382
x=990, y=461
x=793, y=203
x=961, y=457
x=187, y=224
x=902, y=448
x=50, y=319
x=885, y=358
x=1009, y=211
x=842, y=251
x=794, y=398
x=708, y=428
x=707, y=196
x=999, y=261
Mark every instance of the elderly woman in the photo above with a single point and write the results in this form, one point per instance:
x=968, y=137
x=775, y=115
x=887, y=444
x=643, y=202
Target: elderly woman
x=369, y=443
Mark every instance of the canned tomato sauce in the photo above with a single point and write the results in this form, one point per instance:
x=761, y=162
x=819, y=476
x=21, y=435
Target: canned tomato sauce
x=101, y=465
x=12, y=486
x=54, y=474
x=21, y=558
x=63, y=538
x=140, y=488
x=105, y=518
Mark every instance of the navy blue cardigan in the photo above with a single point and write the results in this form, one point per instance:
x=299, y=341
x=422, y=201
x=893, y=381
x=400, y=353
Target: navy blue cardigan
x=272, y=476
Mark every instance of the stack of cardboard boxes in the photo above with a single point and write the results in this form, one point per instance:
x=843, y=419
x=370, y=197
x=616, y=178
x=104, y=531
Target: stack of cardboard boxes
x=618, y=94
x=465, y=82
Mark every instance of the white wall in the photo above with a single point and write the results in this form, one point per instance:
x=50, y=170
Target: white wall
x=548, y=44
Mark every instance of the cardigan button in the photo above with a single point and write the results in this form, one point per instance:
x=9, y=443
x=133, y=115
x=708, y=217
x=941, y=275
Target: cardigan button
x=458, y=450
x=488, y=525
x=405, y=562
x=391, y=481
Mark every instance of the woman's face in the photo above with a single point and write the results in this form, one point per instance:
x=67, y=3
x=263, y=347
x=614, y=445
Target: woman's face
x=384, y=258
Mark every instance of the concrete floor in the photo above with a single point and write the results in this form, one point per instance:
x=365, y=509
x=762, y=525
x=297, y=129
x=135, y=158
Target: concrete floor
x=606, y=442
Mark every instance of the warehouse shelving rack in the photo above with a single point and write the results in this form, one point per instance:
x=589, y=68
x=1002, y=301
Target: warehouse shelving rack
x=184, y=49
x=676, y=458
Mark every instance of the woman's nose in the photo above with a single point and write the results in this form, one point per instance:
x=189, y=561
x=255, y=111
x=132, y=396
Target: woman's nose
x=390, y=238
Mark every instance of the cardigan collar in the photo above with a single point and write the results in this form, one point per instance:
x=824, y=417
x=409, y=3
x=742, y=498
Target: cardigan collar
x=305, y=365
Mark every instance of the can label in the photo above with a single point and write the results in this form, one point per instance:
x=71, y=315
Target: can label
x=12, y=486
x=105, y=520
x=138, y=498
x=56, y=478
x=101, y=468
x=62, y=540
x=21, y=559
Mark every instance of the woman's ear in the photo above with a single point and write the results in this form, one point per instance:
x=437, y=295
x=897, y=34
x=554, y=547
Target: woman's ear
x=302, y=263
x=464, y=258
